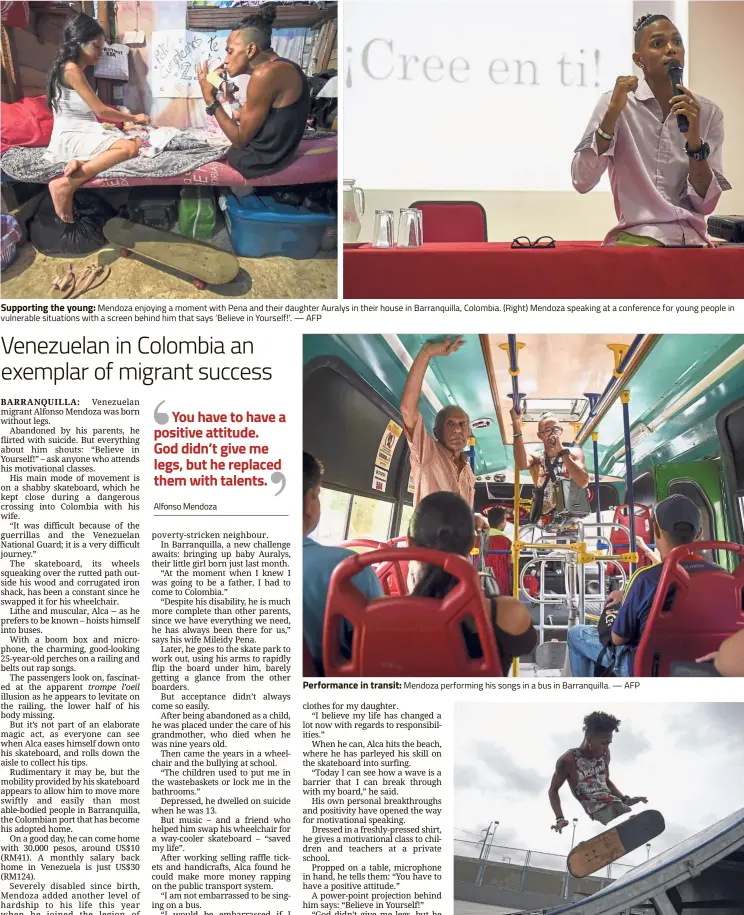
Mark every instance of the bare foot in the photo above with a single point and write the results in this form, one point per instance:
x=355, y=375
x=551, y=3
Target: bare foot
x=61, y=192
x=72, y=166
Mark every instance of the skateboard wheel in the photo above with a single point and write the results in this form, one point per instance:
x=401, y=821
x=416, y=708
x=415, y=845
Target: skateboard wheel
x=200, y=284
x=124, y=252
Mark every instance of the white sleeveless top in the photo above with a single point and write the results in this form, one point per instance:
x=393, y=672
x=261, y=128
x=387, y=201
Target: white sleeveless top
x=76, y=133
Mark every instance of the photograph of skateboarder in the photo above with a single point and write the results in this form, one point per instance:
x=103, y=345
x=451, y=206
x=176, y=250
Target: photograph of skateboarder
x=587, y=771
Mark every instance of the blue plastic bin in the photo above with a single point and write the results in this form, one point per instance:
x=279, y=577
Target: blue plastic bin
x=261, y=227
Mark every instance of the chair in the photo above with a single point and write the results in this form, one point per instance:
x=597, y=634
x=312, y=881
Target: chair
x=391, y=575
x=452, y=220
x=705, y=608
x=642, y=519
x=500, y=563
x=408, y=636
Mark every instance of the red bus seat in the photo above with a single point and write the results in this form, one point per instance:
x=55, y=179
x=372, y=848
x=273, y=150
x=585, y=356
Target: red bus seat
x=500, y=564
x=706, y=609
x=408, y=636
x=391, y=575
x=395, y=573
x=642, y=522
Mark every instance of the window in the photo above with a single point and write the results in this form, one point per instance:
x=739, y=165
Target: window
x=334, y=516
x=564, y=410
x=369, y=519
x=405, y=519
x=346, y=517
x=643, y=489
x=692, y=490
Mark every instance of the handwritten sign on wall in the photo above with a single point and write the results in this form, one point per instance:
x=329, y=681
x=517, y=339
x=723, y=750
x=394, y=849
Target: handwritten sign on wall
x=175, y=54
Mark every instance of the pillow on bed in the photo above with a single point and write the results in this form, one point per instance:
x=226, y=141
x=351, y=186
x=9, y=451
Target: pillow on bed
x=25, y=123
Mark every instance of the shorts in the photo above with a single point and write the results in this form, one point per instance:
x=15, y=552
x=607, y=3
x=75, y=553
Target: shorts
x=610, y=812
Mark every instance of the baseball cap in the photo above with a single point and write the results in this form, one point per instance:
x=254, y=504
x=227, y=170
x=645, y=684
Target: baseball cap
x=678, y=514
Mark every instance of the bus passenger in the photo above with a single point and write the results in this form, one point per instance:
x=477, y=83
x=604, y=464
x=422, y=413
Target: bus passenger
x=566, y=463
x=444, y=521
x=500, y=563
x=438, y=462
x=677, y=521
x=318, y=563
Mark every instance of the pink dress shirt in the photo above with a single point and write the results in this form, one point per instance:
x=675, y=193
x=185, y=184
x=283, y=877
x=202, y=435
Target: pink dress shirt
x=649, y=170
x=435, y=469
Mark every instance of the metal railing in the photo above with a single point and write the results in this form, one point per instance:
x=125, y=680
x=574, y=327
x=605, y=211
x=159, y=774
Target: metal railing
x=525, y=859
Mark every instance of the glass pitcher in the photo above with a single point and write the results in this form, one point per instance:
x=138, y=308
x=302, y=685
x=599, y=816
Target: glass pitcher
x=353, y=209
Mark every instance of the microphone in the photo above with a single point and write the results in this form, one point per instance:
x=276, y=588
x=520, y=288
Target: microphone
x=675, y=78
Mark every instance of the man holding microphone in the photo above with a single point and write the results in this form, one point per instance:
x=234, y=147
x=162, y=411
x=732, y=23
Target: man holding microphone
x=661, y=143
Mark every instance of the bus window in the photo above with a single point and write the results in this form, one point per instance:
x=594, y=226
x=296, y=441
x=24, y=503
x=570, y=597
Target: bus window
x=693, y=491
x=369, y=519
x=405, y=519
x=643, y=489
x=334, y=517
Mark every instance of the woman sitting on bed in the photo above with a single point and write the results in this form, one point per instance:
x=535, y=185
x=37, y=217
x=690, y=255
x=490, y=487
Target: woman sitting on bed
x=77, y=137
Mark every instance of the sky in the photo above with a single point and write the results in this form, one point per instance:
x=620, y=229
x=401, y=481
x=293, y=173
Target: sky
x=685, y=757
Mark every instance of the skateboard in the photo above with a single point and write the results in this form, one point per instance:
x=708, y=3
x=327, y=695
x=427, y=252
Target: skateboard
x=594, y=854
x=203, y=263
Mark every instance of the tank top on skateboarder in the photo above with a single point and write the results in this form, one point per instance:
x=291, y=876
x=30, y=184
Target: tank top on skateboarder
x=591, y=790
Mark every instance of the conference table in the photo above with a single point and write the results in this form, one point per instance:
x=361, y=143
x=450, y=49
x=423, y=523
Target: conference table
x=571, y=270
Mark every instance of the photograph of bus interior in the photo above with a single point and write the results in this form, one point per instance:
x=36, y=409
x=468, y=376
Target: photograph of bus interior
x=654, y=415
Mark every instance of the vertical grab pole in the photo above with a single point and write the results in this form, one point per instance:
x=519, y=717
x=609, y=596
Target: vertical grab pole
x=595, y=439
x=512, y=348
x=629, y=494
x=515, y=553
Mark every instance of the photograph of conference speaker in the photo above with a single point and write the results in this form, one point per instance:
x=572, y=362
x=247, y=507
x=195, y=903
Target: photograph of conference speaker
x=506, y=116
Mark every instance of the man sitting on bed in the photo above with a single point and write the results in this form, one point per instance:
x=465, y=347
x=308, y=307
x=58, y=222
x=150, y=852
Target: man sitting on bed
x=271, y=123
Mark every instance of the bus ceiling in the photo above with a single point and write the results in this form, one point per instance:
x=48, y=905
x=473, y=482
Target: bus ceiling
x=676, y=389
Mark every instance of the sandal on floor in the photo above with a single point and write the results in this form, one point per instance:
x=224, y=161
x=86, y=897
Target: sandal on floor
x=64, y=283
x=91, y=278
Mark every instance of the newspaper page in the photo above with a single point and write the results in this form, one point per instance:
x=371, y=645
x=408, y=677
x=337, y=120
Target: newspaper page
x=494, y=664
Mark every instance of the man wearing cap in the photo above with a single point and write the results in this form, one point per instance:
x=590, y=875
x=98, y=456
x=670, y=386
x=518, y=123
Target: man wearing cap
x=677, y=521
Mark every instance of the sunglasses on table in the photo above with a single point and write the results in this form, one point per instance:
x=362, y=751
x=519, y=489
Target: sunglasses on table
x=544, y=241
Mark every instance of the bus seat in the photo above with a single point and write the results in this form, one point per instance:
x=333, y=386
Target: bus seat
x=706, y=609
x=642, y=522
x=397, y=581
x=408, y=636
x=391, y=575
x=308, y=665
x=500, y=563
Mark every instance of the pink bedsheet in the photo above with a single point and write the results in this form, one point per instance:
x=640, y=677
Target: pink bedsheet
x=316, y=161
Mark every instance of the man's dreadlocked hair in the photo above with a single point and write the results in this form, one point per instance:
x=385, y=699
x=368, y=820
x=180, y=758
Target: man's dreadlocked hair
x=641, y=24
x=601, y=723
x=259, y=27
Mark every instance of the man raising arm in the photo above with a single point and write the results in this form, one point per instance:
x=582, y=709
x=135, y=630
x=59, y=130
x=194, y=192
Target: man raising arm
x=438, y=462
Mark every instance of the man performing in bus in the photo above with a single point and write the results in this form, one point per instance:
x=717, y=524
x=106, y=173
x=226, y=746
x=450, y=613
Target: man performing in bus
x=438, y=462
x=664, y=181
x=565, y=463
x=587, y=771
x=272, y=121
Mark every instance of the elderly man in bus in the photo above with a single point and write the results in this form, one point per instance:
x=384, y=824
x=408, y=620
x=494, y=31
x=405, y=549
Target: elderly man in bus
x=438, y=461
x=318, y=563
x=677, y=520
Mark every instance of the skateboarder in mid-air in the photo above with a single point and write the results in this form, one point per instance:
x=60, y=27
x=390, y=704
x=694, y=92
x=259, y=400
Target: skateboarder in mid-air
x=587, y=771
